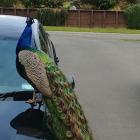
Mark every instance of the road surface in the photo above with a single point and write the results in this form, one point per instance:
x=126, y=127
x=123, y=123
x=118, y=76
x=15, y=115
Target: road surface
x=106, y=68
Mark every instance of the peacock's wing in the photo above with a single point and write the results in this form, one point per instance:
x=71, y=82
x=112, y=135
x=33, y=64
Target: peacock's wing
x=35, y=71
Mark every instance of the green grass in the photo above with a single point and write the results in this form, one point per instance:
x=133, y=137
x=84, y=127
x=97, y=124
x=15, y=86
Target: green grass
x=131, y=40
x=97, y=30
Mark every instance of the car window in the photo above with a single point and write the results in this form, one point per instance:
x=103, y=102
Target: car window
x=46, y=44
x=42, y=32
x=42, y=43
x=9, y=78
x=43, y=39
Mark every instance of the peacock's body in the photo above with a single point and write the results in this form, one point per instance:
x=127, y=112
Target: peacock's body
x=66, y=117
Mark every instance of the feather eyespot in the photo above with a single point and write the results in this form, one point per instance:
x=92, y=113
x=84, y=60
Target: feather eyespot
x=34, y=57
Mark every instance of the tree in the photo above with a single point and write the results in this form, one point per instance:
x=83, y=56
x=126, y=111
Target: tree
x=54, y=3
x=132, y=1
x=7, y=3
x=88, y=1
x=33, y=3
x=132, y=15
x=43, y=3
x=105, y=4
x=101, y=4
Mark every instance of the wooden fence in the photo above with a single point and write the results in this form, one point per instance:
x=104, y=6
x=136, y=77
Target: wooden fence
x=17, y=12
x=79, y=18
x=95, y=18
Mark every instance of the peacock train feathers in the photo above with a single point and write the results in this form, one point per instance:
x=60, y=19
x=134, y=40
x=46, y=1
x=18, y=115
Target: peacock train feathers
x=66, y=118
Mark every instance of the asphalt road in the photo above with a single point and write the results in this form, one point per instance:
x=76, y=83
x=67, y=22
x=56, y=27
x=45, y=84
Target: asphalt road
x=107, y=73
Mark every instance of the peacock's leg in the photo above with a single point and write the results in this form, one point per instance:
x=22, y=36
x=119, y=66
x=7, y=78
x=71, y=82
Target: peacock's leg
x=37, y=98
x=32, y=101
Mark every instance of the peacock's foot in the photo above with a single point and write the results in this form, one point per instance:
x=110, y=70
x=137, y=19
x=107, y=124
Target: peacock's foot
x=37, y=98
x=31, y=101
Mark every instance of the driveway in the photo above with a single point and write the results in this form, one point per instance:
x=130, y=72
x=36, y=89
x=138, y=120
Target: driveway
x=106, y=68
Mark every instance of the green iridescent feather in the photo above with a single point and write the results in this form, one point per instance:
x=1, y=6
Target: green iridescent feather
x=66, y=117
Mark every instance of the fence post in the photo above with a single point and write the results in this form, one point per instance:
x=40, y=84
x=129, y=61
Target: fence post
x=79, y=18
x=92, y=24
x=15, y=11
x=116, y=19
x=1, y=11
x=66, y=18
x=28, y=12
x=66, y=23
x=104, y=19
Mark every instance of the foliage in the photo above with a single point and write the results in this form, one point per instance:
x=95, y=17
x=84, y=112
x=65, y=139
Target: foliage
x=105, y=4
x=122, y=4
x=52, y=17
x=96, y=4
x=7, y=3
x=43, y=3
x=101, y=4
x=54, y=3
x=33, y=3
x=76, y=3
x=132, y=1
x=88, y=1
x=132, y=15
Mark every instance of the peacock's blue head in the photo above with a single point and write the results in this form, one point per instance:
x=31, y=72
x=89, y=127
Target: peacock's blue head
x=25, y=39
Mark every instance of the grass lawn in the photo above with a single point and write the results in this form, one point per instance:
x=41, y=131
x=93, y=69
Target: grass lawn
x=131, y=40
x=97, y=30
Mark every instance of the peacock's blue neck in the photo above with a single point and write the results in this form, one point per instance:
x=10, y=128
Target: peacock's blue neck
x=25, y=39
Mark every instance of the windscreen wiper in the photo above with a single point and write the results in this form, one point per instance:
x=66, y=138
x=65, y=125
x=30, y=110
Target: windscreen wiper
x=17, y=95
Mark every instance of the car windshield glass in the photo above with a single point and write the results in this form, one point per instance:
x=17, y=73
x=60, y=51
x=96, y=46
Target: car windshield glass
x=9, y=78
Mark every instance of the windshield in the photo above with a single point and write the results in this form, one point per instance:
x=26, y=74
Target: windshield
x=9, y=78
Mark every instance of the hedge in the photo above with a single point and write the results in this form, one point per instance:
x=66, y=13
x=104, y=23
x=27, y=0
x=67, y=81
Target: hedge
x=132, y=15
x=7, y=3
x=52, y=17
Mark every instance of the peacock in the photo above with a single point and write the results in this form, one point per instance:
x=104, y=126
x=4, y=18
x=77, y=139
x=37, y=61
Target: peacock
x=65, y=118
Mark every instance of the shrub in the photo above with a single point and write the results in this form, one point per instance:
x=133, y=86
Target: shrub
x=132, y=1
x=87, y=1
x=43, y=3
x=54, y=3
x=52, y=17
x=33, y=3
x=7, y=3
x=132, y=15
x=105, y=4
x=101, y=4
